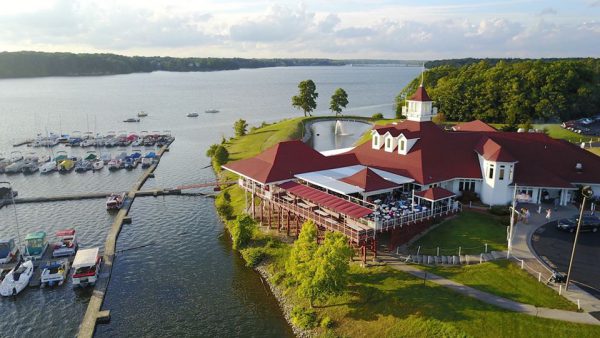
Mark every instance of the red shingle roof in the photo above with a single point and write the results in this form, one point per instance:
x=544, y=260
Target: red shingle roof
x=368, y=180
x=492, y=151
x=420, y=95
x=326, y=200
x=476, y=125
x=435, y=194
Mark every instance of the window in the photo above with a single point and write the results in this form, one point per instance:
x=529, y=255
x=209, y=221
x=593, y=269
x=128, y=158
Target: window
x=466, y=185
x=501, y=173
x=388, y=142
x=376, y=140
x=491, y=172
x=401, y=145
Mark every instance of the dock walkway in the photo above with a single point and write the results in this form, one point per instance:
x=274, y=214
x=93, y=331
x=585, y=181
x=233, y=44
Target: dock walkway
x=94, y=314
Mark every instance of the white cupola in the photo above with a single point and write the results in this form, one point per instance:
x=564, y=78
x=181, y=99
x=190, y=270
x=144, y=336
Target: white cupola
x=419, y=107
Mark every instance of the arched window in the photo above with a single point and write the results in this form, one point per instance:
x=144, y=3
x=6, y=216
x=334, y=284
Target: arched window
x=402, y=145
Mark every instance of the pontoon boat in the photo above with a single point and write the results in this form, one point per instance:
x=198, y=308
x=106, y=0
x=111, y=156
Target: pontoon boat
x=67, y=245
x=35, y=245
x=115, y=201
x=86, y=266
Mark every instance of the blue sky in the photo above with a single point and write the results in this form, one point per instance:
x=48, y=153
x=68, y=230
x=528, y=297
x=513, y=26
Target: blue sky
x=425, y=29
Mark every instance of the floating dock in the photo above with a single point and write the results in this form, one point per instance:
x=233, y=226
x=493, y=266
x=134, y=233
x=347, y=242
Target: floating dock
x=94, y=314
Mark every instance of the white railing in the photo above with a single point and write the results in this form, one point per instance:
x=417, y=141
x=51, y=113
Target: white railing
x=414, y=217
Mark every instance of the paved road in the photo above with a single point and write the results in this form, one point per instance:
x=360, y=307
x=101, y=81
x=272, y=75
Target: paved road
x=555, y=246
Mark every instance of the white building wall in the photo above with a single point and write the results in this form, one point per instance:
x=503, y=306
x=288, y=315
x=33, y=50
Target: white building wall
x=495, y=190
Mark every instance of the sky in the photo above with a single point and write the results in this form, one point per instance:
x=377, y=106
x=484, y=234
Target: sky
x=375, y=29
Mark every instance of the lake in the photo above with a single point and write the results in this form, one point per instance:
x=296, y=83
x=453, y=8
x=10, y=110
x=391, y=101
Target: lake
x=185, y=280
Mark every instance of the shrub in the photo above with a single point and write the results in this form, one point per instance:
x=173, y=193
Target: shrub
x=279, y=277
x=221, y=155
x=242, y=230
x=240, y=127
x=500, y=210
x=224, y=209
x=326, y=322
x=468, y=196
x=253, y=256
x=377, y=116
x=304, y=318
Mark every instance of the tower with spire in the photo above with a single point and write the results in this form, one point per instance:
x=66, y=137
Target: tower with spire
x=419, y=106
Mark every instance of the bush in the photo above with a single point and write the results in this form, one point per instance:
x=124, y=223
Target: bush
x=304, y=318
x=377, y=116
x=253, y=256
x=240, y=127
x=221, y=155
x=326, y=322
x=468, y=196
x=225, y=210
x=242, y=230
x=500, y=210
x=279, y=277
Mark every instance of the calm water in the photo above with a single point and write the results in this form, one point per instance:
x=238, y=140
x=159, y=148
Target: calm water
x=187, y=281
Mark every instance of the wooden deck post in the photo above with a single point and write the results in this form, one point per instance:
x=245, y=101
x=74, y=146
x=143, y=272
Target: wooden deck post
x=253, y=206
x=288, y=223
x=262, y=206
x=363, y=249
x=374, y=248
x=280, y=219
x=269, y=206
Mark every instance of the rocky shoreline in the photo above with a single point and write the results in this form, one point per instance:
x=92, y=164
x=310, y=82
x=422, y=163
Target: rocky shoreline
x=284, y=303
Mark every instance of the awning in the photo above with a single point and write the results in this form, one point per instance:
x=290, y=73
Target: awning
x=326, y=200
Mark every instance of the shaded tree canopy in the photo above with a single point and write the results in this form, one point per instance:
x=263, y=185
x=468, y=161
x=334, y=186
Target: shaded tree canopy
x=306, y=100
x=513, y=92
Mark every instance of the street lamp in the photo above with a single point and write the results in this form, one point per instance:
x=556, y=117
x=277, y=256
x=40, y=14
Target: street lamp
x=12, y=196
x=586, y=192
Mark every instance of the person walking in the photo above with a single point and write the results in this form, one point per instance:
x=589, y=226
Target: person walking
x=527, y=215
x=548, y=213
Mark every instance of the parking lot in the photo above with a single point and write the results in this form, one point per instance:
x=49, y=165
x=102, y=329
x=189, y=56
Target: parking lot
x=555, y=247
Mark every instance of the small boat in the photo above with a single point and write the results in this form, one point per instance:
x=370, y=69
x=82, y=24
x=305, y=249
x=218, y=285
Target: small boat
x=66, y=166
x=48, y=167
x=97, y=165
x=35, y=245
x=61, y=156
x=17, y=279
x=142, y=114
x=31, y=157
x=30, y=168
x=88, y=142
x=106, y=157
x=15, y=167
x=211, y=111
x=131, y=119
x=91, y=156
x=67, y=245
x=86, y=266
x=115, y=164
x=8, y=251
x=115, y=201
x=54, y=273
x=64, y=138
x=138, y=143
x=16, y=156
x=148, y=159
x=194, y=114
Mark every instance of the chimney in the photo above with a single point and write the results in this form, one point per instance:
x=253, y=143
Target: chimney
x=579, y=167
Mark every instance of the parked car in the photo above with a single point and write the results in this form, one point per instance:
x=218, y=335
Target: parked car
x=588, y=223
x=586, y=121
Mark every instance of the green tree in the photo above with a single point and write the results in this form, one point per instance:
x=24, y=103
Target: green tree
x=241, y=127
x=221, y=155
x=210, y=152
x=339, y=100
x=306, y=100
x=300, y=266
x=332, y=262
x=242, y=230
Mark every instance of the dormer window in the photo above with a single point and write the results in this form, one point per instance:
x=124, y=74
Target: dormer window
x=388, y=142
x=402, y=145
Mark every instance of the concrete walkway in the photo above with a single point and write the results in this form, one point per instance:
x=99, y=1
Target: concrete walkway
x=522, y=249
x=570, y=316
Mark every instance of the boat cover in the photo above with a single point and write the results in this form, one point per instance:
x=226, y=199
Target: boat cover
x=85, y=257
x=67, y=232
x=36, y=235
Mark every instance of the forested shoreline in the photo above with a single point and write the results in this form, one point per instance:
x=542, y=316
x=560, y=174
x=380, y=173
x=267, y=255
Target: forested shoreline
x=513, y=92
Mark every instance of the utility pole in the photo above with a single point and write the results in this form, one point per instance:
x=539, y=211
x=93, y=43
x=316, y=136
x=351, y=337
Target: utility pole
x=12, y=196
x=512, y=220
x=586, y=192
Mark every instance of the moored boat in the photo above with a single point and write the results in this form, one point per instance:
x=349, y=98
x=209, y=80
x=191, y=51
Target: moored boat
x=17, y=279
x=8, y=250
x=148, y=159
x=97, y=164
x=211, y=111
x=54, y=273
x=30, y=167
x=142, y=114
x=66, y=166
x=15, y=167
x=115, y=201
x=131, y=119
x=114, y=164
x=67, y=245
x=35, y=245
x=193, y=114
x=86, y=266
x=48, y=167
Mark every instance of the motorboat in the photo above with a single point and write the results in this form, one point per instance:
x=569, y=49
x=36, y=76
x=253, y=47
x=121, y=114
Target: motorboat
x=193, y=114
x=64, y=138
x=61, y=156
x=17, y=279
x=54, y=273
x=91, y=156
x=66, y=166
x=148, y=159
x=86, y=267
x=67, y=245
x=15, y=167
x=8, y=250
x=75, y=139
x=142, y=114
x=115, y=164
x=106, y=157
x=35, y=245
x=131, y=119
x=16, y=156
x=82, y=166
x=88, y=142
x=138, y=142
x=211, y=111
x=115, y=201
x=31, y=157
x=48, y=167
x=97, y=164
x=30, y=167
x=99, y=141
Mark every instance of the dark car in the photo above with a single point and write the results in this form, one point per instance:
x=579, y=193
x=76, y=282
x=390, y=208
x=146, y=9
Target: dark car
x=588, y=223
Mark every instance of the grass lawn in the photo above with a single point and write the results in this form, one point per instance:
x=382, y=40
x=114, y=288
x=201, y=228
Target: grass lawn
x=382, y=302
x=556, y=131
x=505, y=279
x=470, y=231
x=595, y=150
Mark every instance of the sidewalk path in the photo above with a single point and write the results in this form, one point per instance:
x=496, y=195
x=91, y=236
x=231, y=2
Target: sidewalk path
x=522, y=249
x=570, y=316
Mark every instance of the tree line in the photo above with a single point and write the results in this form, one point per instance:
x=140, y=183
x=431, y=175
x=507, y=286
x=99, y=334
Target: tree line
x=38, y=64
x=512, y=92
